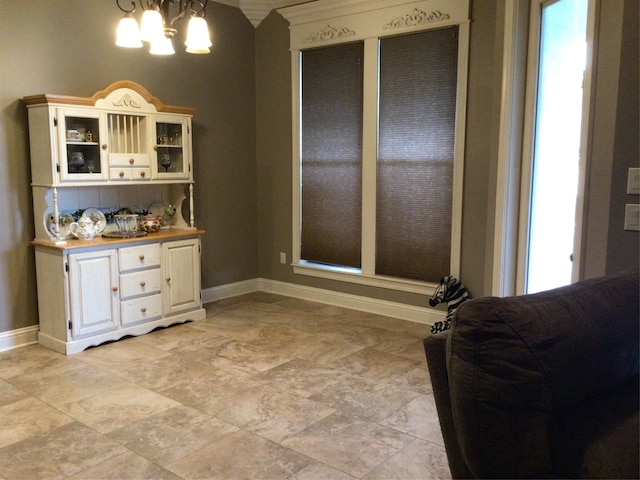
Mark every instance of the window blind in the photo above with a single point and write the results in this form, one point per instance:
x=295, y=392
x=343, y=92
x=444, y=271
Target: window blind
x=417, y=106
x=332, y=155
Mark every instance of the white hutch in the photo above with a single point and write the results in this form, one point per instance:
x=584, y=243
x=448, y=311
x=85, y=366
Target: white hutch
x=120, y=150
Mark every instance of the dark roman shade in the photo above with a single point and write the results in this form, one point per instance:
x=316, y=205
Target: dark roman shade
x=332, y=155
x=417, y=114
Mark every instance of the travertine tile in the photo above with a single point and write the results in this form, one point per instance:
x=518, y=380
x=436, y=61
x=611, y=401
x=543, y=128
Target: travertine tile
x=172, y=434
x=58, y=453
x=418, y=460
x=28, y=417
x=114, y=409
x=238, y=356
x=186, y=335
x=31, y=359
x=302, y=377
x=320, y=471
x=275, y=414
x=118, y=356
x=361, y=397
x=9, y=393
x=374, y=364
x=418, y=330
x=324, y=348
x=419, y=418
x=165, y=372
x=242, y=455
x=265, y=387
x=127, y=465
x=219, y=391
x=348, y=444
x=69, y=384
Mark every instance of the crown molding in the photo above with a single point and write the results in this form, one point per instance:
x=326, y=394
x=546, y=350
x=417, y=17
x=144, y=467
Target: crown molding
x=257, y=10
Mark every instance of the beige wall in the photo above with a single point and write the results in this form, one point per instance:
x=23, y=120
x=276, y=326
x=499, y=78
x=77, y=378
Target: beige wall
x=242, y=137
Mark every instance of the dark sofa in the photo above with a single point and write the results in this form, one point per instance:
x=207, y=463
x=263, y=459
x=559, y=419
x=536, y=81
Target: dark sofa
x=542, y=385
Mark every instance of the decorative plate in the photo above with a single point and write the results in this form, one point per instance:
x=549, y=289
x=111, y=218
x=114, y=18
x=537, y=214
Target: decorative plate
x=157, y=209
x=97, y=217
x=65, y=220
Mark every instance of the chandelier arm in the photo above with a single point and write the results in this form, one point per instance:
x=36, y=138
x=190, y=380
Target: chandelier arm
x=192, y=7
x=182, y=11
x=133, y=7
x=201, y=7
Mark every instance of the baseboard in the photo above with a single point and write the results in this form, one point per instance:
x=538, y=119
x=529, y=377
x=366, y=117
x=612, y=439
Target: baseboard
x=214, y=294
x=402, y=311
x=20, y=337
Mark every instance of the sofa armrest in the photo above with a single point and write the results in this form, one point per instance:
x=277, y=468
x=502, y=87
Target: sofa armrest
x=435, y=347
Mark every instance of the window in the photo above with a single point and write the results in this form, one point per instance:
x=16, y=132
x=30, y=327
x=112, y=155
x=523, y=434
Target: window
x=332, y=155
x=555, y=137
x=531, y=43
x=416, y=134
x=378, y=135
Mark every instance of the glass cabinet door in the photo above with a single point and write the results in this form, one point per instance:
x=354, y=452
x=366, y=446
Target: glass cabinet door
x=82, y=155
x=172, y=156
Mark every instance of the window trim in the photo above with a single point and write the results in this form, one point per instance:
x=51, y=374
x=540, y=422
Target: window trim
x=328, y=22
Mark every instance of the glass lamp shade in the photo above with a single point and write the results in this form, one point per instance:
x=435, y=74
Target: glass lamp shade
x=162, y=46
x=128, y=35
x=198, y=40
x=151, y=26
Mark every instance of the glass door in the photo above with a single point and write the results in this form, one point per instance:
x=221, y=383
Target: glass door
x=171, y=149
x=554, y=141
x=82, y=156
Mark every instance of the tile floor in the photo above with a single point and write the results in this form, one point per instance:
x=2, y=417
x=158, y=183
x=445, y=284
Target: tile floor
x=267, y=387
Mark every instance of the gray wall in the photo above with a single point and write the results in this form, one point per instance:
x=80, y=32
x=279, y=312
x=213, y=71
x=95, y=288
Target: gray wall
x=67, y=47
x=273, y=77
x=626, y=153
x=242, y=137
x=483, y=109
x=614, y=143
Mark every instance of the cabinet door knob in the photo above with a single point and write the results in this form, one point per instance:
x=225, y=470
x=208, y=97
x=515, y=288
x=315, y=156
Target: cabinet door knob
x=115, y=289
x=142, y=174
x=168, y=279
x=104, y=146
x=143, y=309
x=121, y=174
x=141, y=257
x=131, y=160
x=142, y=284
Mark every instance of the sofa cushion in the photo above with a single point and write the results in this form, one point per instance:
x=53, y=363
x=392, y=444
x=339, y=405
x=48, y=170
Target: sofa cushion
x=518, y=360
x=599, y=437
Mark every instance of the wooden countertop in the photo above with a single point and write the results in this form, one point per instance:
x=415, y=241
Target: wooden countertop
x=100, y=242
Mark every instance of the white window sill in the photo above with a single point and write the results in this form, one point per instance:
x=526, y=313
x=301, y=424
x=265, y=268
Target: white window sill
x=354, y=275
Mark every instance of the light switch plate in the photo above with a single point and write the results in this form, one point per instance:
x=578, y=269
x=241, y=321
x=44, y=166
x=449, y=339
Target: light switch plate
x=633, y=181
x=632, y=217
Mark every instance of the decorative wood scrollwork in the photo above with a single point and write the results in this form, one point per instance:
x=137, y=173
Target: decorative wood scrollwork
x=127, y=101
x=417, y=17
x=329, y=33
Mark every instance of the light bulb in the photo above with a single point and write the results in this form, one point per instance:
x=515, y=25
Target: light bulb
x=151, y=26
x=198, y=40
x=128, y=35
x=162, y=46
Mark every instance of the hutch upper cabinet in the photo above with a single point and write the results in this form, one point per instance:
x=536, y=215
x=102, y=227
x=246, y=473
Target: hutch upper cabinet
x=119, y=151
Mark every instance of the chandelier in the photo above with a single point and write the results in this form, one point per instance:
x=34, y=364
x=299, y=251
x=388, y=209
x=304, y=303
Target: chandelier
x=156, y=26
